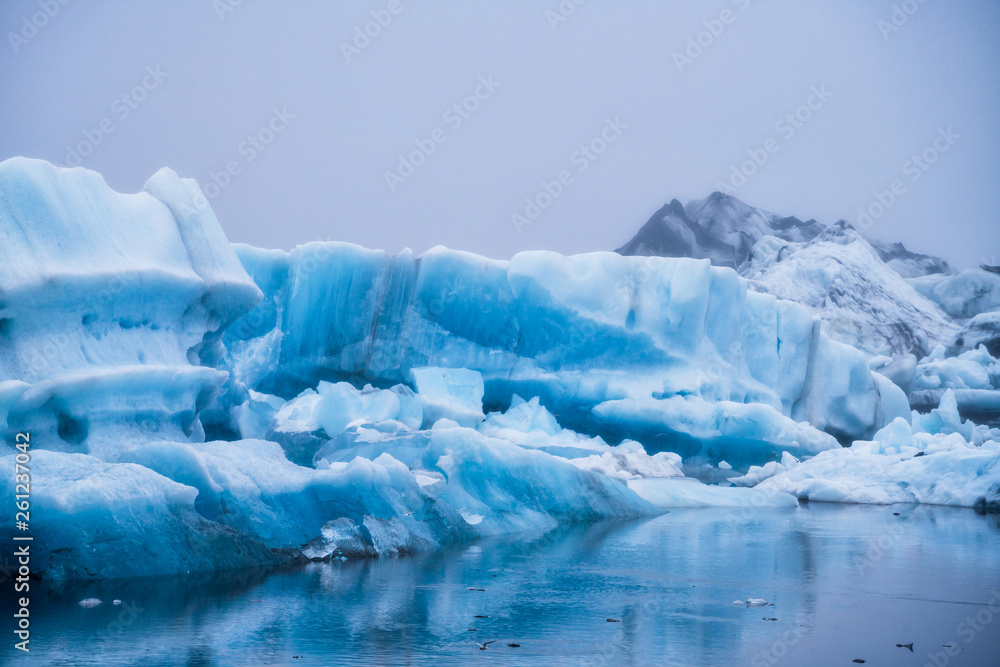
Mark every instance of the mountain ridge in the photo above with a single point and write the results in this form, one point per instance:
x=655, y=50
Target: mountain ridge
x=724, y=229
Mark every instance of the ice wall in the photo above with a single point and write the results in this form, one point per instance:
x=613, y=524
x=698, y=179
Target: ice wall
x=577, y=331
x=111, y=305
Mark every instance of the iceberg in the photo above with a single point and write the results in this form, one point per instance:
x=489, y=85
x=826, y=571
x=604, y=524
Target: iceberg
x=939, y=459
x=971, y=380
x=861, y=300
x=112, y=306
x=199, y=406
x=577, y=332
x=962, y=295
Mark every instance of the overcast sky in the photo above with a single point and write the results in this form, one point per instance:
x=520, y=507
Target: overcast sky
x=312, y=116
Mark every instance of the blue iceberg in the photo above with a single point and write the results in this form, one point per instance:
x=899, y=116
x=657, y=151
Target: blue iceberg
x=196, y=405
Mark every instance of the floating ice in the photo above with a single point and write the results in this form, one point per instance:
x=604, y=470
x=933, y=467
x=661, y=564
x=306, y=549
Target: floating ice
x=964, y=294
x=130, y=334
x=577, y=332
x=685, y=492
x=113, y=305
x=939, y=460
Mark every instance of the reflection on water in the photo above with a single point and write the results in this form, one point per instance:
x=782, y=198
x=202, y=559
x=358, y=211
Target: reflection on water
x=846, y=582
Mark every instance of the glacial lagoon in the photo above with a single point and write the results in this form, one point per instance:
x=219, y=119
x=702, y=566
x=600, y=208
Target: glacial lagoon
x=842, y=583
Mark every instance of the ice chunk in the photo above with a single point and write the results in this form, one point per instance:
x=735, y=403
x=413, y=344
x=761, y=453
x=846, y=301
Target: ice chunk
x=113, y=305
x=893, y=403
x=449, y=393
x=735, y=431
x=93, y=519
x=630, y=461
x=944, y=419
x=253, y=417
x=757, y=474
x=900, y=465
x=964, y=294
x=686, y=492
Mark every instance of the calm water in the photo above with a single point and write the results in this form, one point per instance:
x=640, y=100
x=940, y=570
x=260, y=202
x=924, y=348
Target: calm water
x=845, y=582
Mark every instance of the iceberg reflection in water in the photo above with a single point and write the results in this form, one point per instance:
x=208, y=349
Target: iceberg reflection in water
x=846, y=582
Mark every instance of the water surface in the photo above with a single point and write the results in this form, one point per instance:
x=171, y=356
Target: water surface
x=846, y=583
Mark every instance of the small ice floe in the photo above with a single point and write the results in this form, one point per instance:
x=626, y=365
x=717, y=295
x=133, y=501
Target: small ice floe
x=471, y=518
x=752, y=602
x=89, y=602
x=116, y=602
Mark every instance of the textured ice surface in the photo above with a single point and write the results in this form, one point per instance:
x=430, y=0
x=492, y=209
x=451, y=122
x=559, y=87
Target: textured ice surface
x=371, y=405
x=972, y=380
x=692, y=493
x=575, y=331
x=940, y=459
x=964, y=294
x=94, y=519
x=861, y=300
x=983, y=329
x=111, y=306
x=449, y=393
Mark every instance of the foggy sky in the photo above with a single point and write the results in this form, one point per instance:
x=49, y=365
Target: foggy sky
x=311, y=121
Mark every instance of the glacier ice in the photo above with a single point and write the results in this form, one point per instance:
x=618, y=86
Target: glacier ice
x=686, y=492
x=112, y=306
x=939, y=459
x=196, y=406
x=962, y=295
x=861, y=300
x=971, y=379
x=574, y=331
x=95, y=519
x=449, y=393
x=983, y=329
